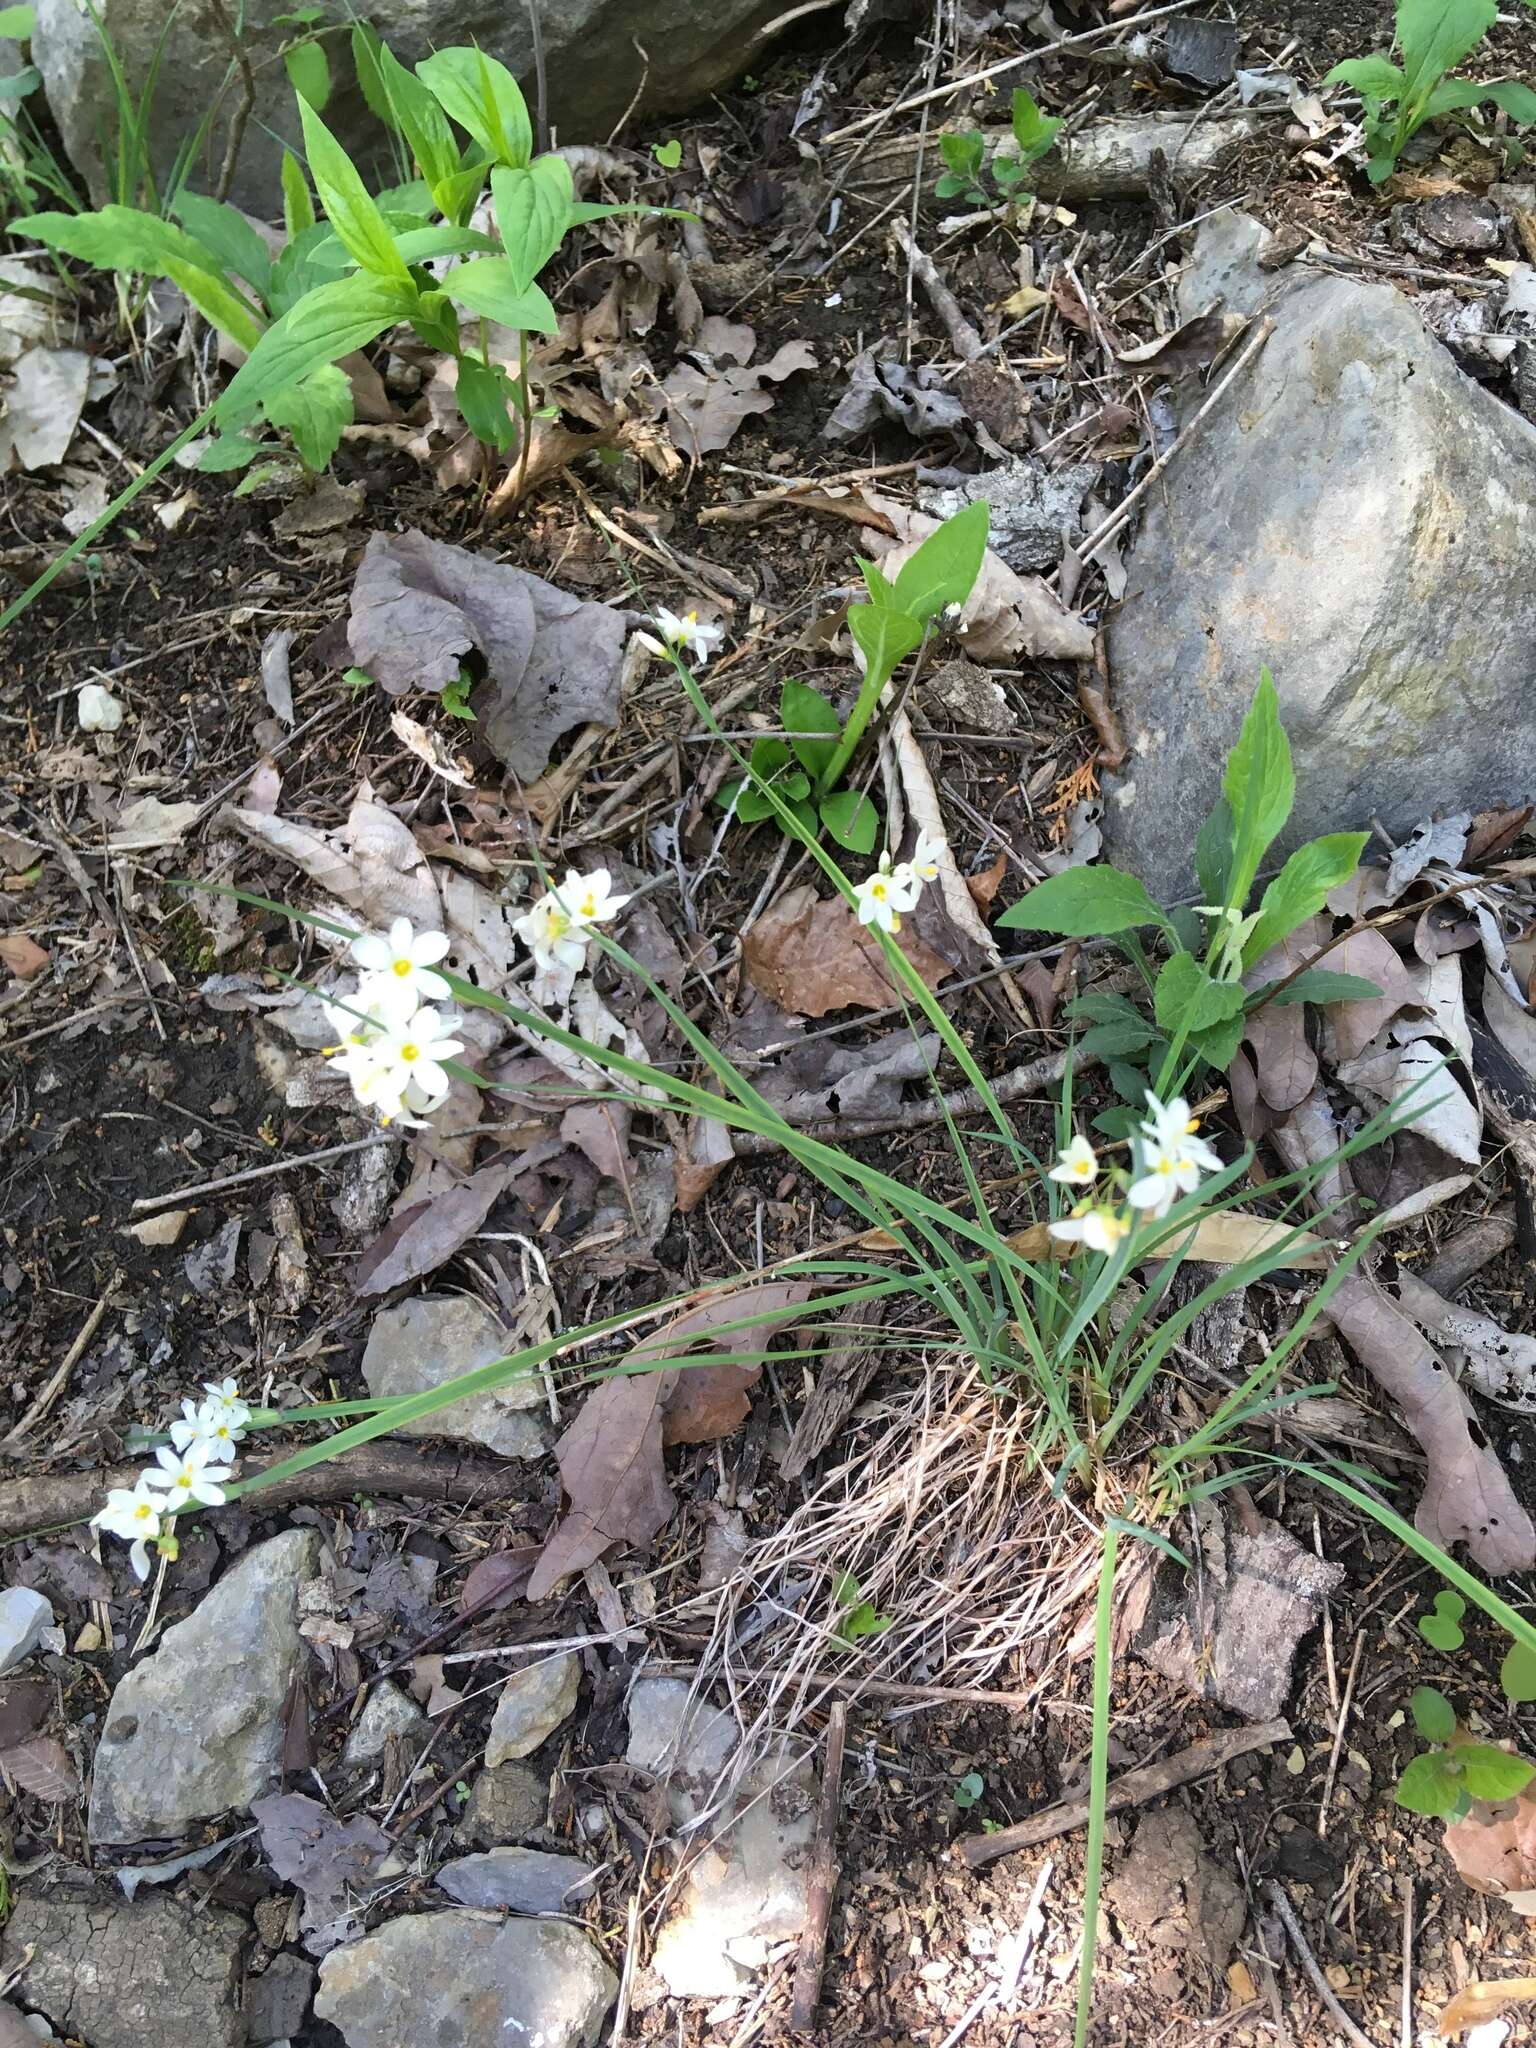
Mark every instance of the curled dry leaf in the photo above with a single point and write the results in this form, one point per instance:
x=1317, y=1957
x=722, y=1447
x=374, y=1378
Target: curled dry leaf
x=1494, y=1850
x=1480, y=2001
x=1352, y=1026
x=426, y=1234
x=812, y=955
x=610, y=1458
x=705, y=408
x=552, y=660
x=1006, y=615
x=148, y=824
x=1501, y=1364
x=47, y=392
x=1467, y=1498
x=22, y=956
x=428, y=749
x=1284, y=1064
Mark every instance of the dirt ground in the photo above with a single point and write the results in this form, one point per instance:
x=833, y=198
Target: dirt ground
x=120, y=1082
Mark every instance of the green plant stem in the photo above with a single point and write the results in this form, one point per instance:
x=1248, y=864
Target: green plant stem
x=524, y=414
x=1098, y=1782
x=99, y=526
x=858, y=719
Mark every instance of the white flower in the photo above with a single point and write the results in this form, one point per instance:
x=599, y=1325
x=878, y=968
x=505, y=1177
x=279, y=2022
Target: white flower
x=1093, y=1224
x=1169, y=1157
x=406, y=956
x=362, y=1020
x=589, y=899
x=883, y=898
x=97, y=709
x=134, y=1514
x=687, y=632
x=225, y=1390
x=556, y=931
x=215, y=1423
x=1077, y=1166
x=924, y=864
x=404, y=1067
x=185, y=1476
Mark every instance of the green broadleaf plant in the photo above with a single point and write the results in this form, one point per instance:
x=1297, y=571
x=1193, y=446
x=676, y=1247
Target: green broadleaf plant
x=1034, y=136
x=1199, y=998
x=1432, y=38
x=805, y=768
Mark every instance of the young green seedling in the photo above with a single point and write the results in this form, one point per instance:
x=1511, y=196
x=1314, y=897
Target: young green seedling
x=1034, y=136
x=806, y=767
x=856, y=1616
x=1199, y=1001
x=1433, y=37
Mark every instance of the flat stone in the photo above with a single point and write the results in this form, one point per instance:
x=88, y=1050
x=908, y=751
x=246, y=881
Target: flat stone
x=124, y=1974
x=518, y=1880
x=277, y=2002
x=746, y=1890
x=388, y=1711
x=505, y=1805
x=533, y=1703
x=25, y=1618
x=1356, y=516
x=420, y=1343
x=198, y=1727
x=1034, y=511
x=457, y=1980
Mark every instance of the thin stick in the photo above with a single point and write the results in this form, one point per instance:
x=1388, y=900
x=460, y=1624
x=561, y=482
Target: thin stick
x=1122, y=512
x=1405, y=2027
x=812, y=1959
x=939, y=92
x=1149, y=1782
x=147, y=1204
x=234, y=141
x=1309, y=1963
x=540, y=74
x=56, y=1383
x=1041, y=1073
x=1338, y=1733
x=854, y=1682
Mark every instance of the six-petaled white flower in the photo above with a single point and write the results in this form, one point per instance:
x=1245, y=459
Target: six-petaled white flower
x=923, y=866
x=185, y=1476
x=884, y=897
x=1095, y=1225
x=406, y=958
x=1077, y=1166
x=404, y=1065
x=135, y=1514
x=686, y=634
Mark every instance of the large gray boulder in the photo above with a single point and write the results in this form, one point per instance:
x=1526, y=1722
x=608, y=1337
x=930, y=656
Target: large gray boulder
x=467, y=1980
x=592, y=55
x=1357, y=516
x=198, y=1727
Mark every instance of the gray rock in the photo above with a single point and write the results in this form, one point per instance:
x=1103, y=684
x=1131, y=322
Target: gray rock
x=533, y=1703
x=1033, y=510
x=121, y=1975
x=1205, y=51
x=505, y=1805
x=1356, y=516
x=746, y=1889
x=197, y=1728
x=25, y=1618
x=459, y=1981
x=435, y=1337
x=518, y=1880
x=388, y=1711
x=277, y=2002
x=593, y=70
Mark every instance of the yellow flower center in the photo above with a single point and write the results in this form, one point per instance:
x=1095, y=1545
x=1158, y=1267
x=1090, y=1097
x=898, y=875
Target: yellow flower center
x=878, y=890
x=410, y=1054
x=144, y=1512
x=402, y=968
x=588, y=905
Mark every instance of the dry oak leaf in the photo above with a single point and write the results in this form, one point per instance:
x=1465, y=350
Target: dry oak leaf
x=1494, y=1850
x=812, y=955
x=610, y=1459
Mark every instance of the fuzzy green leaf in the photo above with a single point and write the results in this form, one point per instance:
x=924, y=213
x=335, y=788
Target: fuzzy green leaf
x=1083, y=903
x=1433, y=1714
x=1434, y=36
x=804, y=711
x=1429, y=1786
x=1376, y=78
x=944, y=569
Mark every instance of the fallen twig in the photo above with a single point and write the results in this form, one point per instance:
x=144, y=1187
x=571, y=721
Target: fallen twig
x=59, y=1378
x=147, y=1204
x=932, y=1109
x=1135, y=1787
x=812, y=1958
x=28, y=1506
x=1309, y=1963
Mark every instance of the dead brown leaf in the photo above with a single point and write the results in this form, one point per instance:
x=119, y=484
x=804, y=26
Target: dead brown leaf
x=1467, y=1497
x=42, y=1767
x=1481, y=2000
x=1494, y=1850
x=610, y=1458
x=553, y=660
x=984, y=887
x=1284, y=1064
x=422, y=1237
x=812, y=955
x=705, y=408
x=1354, y=1025
x=23, y=956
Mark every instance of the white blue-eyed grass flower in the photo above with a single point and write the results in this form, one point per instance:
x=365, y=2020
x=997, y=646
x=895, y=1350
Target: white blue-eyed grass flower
x=884, y=897
x=687, y=634
x=923, y=865
x=183, y=1476
x=1170, y=1157
x=402, y=1069
x=134, y=1513
x=405, y=959
x=1077, y=1166
x=215, y=1423
x=1097, y=1226
x=557, y=930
